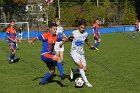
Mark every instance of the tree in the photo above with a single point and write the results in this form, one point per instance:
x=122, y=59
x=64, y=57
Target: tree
x=129, y=16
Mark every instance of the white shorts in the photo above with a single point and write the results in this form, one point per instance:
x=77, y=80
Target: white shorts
x=57, y=48
x=79, y=58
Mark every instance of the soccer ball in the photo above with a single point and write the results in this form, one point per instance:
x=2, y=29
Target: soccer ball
x=79, y=82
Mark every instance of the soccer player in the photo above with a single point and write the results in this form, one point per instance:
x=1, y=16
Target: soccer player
x=60, y=32
x=79, y=37
x=96, y=34
x=12, y=40
x=136, y=28
x=48, y=41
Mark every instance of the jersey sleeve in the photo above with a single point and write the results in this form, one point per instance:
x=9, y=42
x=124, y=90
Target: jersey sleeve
x=7, y=32
x=42, y=37
x=86, y=40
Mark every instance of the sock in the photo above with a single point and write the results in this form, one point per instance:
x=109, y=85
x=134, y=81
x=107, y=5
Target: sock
x=76, y=70
x=97, y=44
x=46, y=77
x=60, y=68
x=12, y=56
x=82, y=72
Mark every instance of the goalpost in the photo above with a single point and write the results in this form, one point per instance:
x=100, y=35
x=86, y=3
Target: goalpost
x=23, y=25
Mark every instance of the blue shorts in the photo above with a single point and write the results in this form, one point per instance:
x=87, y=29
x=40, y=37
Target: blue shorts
x=97, y=36
x=48, y=59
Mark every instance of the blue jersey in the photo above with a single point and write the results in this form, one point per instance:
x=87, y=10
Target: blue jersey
x=48, y=41
x=11, y=32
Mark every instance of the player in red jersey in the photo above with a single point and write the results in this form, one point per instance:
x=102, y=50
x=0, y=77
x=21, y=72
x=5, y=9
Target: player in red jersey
x=96, y=34
x=136, y=29
x=48, y=41
x=12, y=40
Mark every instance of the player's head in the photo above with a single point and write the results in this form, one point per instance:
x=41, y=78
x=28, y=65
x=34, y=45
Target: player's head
x=12, y=23
x=82, y=26
x=52, y=28
x=57, y=21
x=97, y=21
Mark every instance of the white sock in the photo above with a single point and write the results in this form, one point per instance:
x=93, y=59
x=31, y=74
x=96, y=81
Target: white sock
x=82, y=72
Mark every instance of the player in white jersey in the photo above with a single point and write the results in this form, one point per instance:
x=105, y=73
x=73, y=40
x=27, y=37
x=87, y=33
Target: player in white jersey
x=77, y=52
x=60, y=32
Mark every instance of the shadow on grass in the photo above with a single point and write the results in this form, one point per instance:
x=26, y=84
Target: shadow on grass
x=61, y=83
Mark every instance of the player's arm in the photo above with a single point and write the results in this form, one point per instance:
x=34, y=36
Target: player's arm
x=33, y=40
x=86, y=41
x=70, y=38
x=64, y=36
x=93, y=30
x=40, y=37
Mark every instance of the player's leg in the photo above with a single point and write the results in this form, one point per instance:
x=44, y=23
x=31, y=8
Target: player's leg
x=62, y=53
x=51, y=65
x=82, y=71
x=95, y=42
x=59, y=65
x=57, y=49
x=81, y=63
x=12, y=55
x=98, y=42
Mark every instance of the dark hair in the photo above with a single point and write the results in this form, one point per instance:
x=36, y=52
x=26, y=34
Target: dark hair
x=52, y=24
x=12, y=20
x=82, y=22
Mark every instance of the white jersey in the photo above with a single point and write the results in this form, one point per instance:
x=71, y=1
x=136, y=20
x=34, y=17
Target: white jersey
x=59, y=32
x=78, y=41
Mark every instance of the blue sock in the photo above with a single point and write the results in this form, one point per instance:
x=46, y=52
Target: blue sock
x=60, y=68
x=98, y=44
x=12, y=56
x=46, y=77
x=95, y=45
x=76, y=69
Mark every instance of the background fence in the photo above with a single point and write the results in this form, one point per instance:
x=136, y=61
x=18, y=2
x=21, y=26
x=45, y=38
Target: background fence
x=67, y=32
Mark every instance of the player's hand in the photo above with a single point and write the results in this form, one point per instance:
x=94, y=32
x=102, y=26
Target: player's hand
x=14, y=40
x=92, y=47
x=60, y=45
x=30, y=42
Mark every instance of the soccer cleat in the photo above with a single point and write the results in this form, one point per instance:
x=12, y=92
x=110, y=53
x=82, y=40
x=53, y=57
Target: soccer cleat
x=88, y=84
x=97, y=49
x=63, y=77
x=9, y=60
x=71, y=74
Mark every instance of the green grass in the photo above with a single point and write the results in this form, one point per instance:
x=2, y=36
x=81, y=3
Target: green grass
x=113, y=69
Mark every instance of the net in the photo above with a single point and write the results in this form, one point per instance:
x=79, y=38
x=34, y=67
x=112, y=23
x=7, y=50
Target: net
x=23, y=32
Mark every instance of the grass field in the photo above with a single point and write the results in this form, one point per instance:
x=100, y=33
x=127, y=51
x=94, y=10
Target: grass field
x=113, y=69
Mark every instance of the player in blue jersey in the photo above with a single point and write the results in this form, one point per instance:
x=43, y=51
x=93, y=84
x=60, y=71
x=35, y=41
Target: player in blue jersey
x=48, y=41
x=12, y=40
x=96, y=34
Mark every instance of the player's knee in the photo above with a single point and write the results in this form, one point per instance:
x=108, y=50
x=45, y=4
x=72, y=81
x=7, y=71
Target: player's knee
x=14, y=51
x=57, y=58
x=52, y=71
x=99, y=40
x=81, y=66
